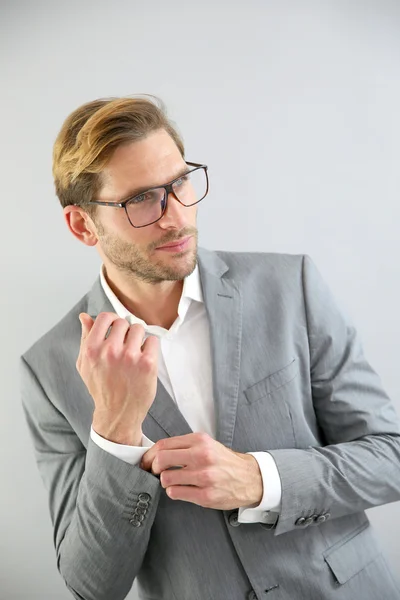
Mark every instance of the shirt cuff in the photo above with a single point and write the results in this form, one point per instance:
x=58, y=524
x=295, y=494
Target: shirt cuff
x=130, y=454
x=272, y=492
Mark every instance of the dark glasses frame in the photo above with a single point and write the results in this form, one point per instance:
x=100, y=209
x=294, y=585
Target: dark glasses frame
x=168, y=189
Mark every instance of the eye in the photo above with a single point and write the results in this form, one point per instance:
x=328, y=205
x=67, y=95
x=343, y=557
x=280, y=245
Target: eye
x=140, y=198
x=182, y=180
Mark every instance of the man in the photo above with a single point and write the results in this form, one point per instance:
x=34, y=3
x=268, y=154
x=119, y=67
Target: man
x=211, y=426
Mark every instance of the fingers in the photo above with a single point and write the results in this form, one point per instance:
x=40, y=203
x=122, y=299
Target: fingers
x=118, y=332
x=100, y=327
x=181, y=477
x=166, y=459
x=187, y=440
x=151, y=346
x=134, y=337
x=86, y=323
x=179, y=442
x=189, y=493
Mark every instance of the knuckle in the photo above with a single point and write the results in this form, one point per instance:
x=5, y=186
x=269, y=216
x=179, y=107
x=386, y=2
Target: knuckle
x=202, y=437
x=91, y=352
x=207, y=456
x=130, y=355
x=160, y=444
x=103, y=315
x=148, y=363
x=111, y=352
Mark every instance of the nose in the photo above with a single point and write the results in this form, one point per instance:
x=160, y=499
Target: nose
x=175, y=215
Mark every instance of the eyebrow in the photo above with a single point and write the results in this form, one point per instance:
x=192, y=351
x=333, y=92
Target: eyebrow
x=137, y=191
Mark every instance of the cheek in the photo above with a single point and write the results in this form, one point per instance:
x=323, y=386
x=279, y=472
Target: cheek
x=117, y=224
x=112, y=219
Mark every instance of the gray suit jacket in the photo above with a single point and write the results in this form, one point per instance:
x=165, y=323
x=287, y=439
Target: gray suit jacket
x=289, y=377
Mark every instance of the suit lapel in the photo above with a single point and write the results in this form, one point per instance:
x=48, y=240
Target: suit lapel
x=166, y=413
x=223, y=302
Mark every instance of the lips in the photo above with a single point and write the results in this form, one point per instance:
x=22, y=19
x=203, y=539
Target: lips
x=176, y=244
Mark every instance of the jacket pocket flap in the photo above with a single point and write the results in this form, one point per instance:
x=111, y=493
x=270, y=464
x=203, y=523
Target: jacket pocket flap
x=272, y=383
x=348, y=558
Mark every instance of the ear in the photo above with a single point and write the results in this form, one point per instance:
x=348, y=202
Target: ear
x=80, y=225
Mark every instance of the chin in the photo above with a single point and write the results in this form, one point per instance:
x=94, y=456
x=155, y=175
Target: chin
x=179, y=267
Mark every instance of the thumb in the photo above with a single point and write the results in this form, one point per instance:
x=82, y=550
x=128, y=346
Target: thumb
x=87, y=324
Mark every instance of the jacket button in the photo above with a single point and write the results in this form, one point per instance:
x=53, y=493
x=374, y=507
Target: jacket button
x=308, y=521
x=139, y=510
x=320, y=519
x=144, y=496
x=327, y=516
x=135, y=522
x=234, y=519
x=300, y=522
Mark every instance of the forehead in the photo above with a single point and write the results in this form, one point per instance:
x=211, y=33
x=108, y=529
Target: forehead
x=148, y=162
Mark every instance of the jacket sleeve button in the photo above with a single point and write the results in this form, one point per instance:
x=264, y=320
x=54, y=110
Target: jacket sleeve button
x=135, y=522
x=233, y=519
x=144, y=496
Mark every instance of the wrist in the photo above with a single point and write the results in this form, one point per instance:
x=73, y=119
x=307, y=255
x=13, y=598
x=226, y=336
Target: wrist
x=118, y=435
x=255, y=486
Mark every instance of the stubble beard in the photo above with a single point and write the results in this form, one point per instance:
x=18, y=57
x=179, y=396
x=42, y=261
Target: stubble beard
x=132, y=261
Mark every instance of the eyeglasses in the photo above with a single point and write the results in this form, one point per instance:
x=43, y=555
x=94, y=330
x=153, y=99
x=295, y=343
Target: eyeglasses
x=149, y=206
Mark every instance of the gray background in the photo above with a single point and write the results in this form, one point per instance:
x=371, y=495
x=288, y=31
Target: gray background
x=295, y=108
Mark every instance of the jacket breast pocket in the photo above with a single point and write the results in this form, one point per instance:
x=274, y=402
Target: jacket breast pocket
x=264, y=414
x=349, y=557
x=272, y=383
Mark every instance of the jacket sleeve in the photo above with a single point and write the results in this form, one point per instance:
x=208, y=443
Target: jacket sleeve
x=359, y=468
x=102, y=508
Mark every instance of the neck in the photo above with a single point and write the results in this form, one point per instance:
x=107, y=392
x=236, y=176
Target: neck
x=156, y=304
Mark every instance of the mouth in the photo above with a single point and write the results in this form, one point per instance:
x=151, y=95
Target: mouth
x=177, y=246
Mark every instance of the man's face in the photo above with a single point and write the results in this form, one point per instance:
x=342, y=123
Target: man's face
x=153, y=161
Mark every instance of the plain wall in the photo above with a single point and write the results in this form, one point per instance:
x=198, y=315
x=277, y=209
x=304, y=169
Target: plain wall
x=295, y=108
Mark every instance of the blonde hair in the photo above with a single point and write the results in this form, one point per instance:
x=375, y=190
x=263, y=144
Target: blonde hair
x=90, y=135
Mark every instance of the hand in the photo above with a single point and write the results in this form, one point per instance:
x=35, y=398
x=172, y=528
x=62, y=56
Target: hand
x=211, y=476
x=120, y=374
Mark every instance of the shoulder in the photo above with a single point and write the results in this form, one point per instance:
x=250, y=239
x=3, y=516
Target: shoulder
x=276, y=268
x=58, y=342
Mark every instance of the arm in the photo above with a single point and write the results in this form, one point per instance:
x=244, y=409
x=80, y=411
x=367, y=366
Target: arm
x=360, y=466
x=92, y=499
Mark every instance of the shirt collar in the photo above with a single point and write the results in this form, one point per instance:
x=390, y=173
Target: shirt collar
x=192, y=286
x=191, y=291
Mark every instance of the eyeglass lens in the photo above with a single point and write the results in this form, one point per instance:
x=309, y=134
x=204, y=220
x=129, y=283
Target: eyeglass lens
x=149, y=206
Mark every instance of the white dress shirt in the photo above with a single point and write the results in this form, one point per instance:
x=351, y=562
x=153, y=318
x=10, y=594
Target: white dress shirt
x=185, y=348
